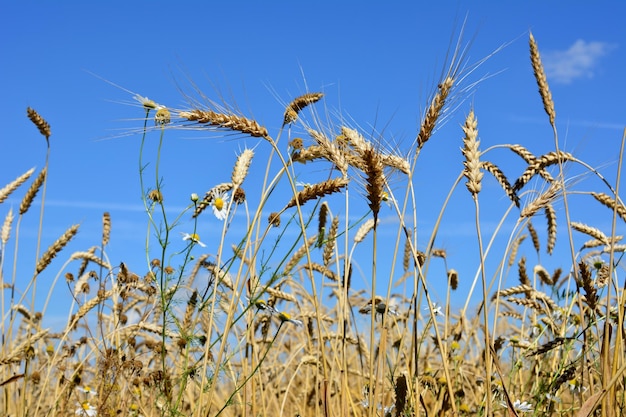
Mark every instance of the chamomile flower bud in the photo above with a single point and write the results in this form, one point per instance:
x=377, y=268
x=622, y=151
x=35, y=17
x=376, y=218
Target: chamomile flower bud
x=194, y=197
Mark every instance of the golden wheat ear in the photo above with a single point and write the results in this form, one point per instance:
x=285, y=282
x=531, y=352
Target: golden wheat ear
x=299, y=103
x=40, y=122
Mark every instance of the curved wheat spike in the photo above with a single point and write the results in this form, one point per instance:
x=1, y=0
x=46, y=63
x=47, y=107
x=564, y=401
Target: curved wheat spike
x=13, y=185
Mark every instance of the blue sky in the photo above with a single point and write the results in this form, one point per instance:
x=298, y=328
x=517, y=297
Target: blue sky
x=378, y=63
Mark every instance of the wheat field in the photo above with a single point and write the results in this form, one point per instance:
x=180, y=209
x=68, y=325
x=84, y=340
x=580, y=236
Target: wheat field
x=247, y=327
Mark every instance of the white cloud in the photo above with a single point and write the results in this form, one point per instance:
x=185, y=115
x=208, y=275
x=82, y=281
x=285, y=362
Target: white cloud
x=579, y=61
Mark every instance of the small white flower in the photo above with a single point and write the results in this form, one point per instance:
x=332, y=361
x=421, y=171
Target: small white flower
x=87, y=390
x=220, y=205
x=518, y=405
x=194, y=238
x=86, y=410
x=436, y=309
x=262, y=305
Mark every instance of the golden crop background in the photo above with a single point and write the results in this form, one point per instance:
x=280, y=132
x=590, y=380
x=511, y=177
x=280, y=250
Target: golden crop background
x=247, y=330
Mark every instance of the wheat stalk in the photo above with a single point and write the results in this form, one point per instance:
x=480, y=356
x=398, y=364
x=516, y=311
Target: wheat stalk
x=55, y=248
x=542, y=82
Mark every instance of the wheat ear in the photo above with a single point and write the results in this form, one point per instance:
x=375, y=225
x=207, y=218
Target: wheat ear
x=434, y=111
x=106, y=228
x=55, y=248
x=6, y=227
x=42, y=125
x=472, y=155
x=33, y=190
x=502, y=180
x=542, y=82
x=299, y=103
x=375, y=180
x=242, y=165
x=317, y=190
x=13, y=185
x=611, y=203
x=226, y=121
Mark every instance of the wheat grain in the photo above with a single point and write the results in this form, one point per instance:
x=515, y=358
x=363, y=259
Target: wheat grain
x=434, y=111
x=375, y=180
x=242, y=165
x=299, y=103
x=534, y=236
x=521, y=271
x=106, y=228
x=551, y=217
x=226, y=121
x=317, y=190
x=91, y=257
x=611, y=203
x=298, y=254
x=542, y=82
x=13, y=185
x=472, y=155
x=329, y=247
x=364, y=230
x=55, y=248
x=515, y=248
x=32, y=191
x=6, y=227
x=332, y=152
x=591, y=231
x=539, y=165
x=42, y=125
x=502, y=180
x=543, y=200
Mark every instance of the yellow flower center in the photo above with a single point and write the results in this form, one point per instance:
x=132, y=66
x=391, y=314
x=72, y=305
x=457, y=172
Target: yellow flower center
x=219, y=203
x=194, y=237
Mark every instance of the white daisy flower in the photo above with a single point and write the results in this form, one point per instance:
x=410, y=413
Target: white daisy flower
x=518, y=405
x=194, y=238
x=87, y=390
x=436, y=309
x=220, y=205
x=86, y=410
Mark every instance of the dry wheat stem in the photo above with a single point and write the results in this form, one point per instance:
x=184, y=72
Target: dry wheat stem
x=13, y=185
x=55, y=248
x=32, y=191
x=542, y=82
x=226, y=121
